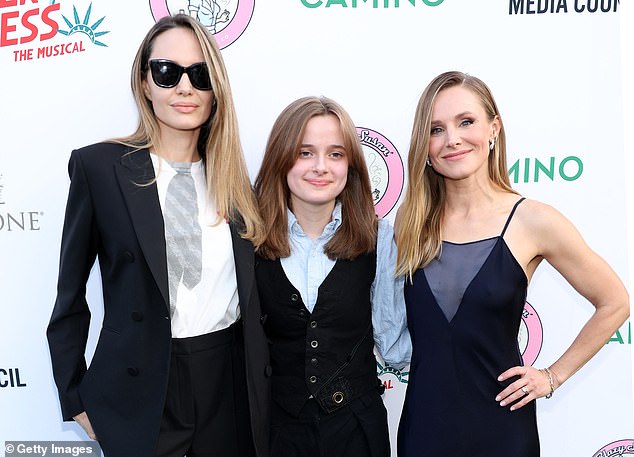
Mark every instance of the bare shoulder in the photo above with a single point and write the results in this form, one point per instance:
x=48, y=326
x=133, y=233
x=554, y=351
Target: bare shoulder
x=536, y=215
x=546, y=225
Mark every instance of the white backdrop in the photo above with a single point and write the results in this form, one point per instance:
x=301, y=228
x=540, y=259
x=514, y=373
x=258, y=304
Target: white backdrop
x=557, y=76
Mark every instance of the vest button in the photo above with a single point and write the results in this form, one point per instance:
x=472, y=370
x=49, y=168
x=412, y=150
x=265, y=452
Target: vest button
x=313, y=324
x=133, y=371
x=313, y=379
x=294, y=297
x=314, y=344
x=313, y=361
x=137, y=316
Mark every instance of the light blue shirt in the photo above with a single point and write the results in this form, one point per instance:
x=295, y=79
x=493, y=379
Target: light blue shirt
x=308, y=266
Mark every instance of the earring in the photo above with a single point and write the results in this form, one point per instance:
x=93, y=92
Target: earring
x=428, y=162
x=491, y=144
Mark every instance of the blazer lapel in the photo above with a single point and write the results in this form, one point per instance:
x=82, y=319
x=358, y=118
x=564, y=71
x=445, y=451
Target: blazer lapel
x=244, y=258
x=133, y=172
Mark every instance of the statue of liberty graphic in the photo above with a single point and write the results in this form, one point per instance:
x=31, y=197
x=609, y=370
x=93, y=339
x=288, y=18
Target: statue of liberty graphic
x=210, y=14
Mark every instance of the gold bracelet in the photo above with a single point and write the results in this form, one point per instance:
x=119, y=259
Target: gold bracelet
x=549, y=375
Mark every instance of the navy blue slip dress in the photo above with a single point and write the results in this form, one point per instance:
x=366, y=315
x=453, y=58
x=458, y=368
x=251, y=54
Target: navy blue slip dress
x=464, y=311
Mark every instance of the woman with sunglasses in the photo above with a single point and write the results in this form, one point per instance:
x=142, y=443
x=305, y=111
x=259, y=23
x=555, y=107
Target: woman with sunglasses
x=326, y=279
x=180, y=367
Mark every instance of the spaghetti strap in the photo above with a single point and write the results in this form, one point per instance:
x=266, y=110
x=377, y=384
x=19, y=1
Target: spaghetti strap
x=508, y=220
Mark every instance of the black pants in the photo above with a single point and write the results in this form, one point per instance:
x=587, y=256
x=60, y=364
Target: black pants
x=206, y=410
x=358, y=429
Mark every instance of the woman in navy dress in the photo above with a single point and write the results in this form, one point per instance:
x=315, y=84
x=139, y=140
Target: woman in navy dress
x=469, y=244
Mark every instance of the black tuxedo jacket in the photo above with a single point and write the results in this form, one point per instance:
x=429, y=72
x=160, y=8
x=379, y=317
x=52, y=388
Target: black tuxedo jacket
x=113, y=214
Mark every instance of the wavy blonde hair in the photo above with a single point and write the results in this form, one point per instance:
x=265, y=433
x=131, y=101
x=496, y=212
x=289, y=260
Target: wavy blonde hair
x=228, y=182
x=418, y=230
x=357, y=233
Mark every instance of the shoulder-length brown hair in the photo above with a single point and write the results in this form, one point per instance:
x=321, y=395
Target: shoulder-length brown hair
x=418, y=226
x=357, y=233
x=219, y=144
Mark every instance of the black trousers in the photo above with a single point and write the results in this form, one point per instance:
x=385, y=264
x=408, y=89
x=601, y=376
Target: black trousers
x=358, y=429
x=206, y=410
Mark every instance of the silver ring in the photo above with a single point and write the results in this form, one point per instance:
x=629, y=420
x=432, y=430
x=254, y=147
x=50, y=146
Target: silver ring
x=525, y=390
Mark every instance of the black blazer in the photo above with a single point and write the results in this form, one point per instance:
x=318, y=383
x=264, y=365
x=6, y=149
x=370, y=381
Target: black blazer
x=112, y=215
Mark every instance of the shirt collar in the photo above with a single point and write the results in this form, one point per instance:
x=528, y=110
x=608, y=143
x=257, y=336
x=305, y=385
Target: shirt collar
x=296, y=229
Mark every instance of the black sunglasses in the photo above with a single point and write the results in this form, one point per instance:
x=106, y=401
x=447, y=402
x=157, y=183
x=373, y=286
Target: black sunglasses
x=166, y=73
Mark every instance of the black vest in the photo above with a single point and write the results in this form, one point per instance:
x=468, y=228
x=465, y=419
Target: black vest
x=308, y=350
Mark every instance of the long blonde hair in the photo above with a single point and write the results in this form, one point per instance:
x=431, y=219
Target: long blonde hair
x=418, y=227
x=357, y=233
x=219, y=144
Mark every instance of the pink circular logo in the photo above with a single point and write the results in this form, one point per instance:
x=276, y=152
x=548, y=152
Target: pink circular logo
x=530, y=335
x=225, y=19
x=617, y=448
x=385, y=168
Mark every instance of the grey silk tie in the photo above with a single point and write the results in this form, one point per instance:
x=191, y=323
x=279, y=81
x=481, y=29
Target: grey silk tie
x=183, y=235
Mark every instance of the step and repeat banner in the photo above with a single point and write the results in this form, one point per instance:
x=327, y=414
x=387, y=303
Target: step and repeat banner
x=554, y=66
